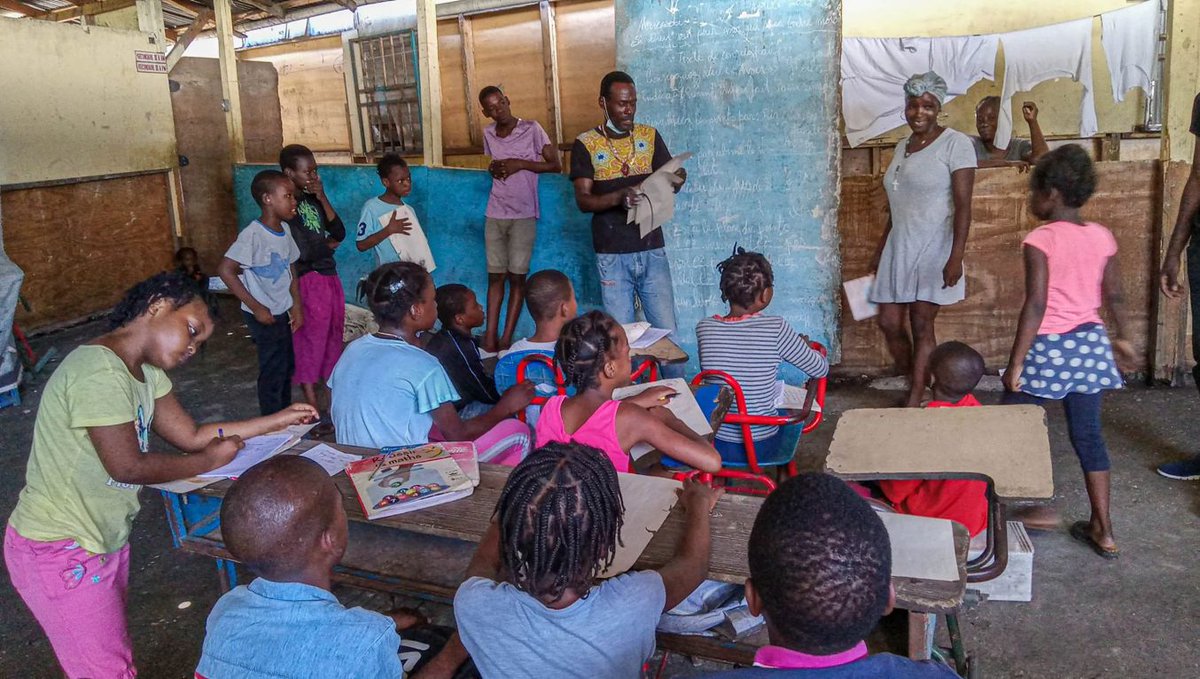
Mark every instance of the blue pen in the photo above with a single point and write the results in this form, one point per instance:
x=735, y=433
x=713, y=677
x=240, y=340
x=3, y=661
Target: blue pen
x=220, y=433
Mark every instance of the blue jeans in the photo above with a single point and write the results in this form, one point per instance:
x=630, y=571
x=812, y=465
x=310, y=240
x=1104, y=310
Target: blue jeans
x=1083, y=425
x=645, y=277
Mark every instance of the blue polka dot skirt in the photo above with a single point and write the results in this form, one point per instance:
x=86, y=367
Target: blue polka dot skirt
x=1075, y=362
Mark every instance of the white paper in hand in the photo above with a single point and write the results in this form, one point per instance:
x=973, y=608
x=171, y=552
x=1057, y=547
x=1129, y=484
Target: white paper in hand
x=858, y=295
x=257, y=449
x=413, y=246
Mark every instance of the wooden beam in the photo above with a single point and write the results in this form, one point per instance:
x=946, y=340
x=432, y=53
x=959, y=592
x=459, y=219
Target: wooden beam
x=98, y=7
x=196, y=28
x=1182, y=79
x=14, y=6
x=474, y=123
x=186, y=6
x=550, y=66
x=270, y=8
x=150, y=20
x=430, y=82
x=230, y=92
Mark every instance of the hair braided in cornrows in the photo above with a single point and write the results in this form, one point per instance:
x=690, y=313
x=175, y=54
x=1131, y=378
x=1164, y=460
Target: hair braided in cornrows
x=392, y=289
x=744, y=276
x=560, y=517
x=583, y=348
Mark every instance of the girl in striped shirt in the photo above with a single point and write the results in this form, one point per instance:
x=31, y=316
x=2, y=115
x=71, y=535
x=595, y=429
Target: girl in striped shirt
x=750, y=346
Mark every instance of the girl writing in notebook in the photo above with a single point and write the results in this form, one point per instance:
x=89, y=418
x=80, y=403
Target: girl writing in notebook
x=67, y=541
x=593, y=354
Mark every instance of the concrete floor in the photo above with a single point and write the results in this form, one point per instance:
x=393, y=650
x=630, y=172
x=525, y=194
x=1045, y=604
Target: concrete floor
x=1136, y=617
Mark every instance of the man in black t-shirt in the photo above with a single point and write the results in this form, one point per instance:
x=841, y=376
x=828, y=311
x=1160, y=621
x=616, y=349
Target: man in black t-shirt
x=608, y=163
x=1185, y=227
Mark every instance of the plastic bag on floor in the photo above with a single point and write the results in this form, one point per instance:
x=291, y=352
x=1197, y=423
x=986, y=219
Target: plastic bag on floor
x=711, y=605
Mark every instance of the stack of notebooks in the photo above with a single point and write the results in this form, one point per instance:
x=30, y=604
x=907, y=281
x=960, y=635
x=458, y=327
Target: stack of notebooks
x=405, y=479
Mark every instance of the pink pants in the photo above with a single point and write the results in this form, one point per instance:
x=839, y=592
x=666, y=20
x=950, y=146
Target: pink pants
x=79, y=600
x=506, y=443
x=318, y=342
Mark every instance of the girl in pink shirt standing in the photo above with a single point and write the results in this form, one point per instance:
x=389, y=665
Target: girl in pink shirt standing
x=1062, y=350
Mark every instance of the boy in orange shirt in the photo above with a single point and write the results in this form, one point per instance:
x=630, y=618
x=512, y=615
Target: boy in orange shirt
x=956, y=370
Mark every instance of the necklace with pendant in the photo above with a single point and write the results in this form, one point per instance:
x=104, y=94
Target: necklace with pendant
x=625, y=169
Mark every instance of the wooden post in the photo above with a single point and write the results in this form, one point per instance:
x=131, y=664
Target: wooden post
x=550, y=65
x=1182, y=80
x=430, y=81
x=230, y=91
x=150, y=20
x=474, y=124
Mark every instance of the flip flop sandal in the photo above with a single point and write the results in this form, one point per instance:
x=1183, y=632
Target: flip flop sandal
x=1081, y=531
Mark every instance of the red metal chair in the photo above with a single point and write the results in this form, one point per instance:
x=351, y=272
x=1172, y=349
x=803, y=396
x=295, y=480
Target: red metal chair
x=648, y=369
x=816, y=394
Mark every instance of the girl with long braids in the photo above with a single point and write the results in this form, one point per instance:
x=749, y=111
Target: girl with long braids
x=387, y=391
x=531, y=605
x=593, y=353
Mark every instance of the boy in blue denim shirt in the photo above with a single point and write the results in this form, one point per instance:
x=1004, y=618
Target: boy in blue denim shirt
x=286, y=623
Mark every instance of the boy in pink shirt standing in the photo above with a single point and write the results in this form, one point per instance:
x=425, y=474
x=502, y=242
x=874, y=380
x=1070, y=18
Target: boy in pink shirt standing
x=1062, y=350
x=520, y=150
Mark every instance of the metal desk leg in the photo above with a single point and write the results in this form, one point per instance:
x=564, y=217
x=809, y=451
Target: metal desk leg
x=920, y=634
x=956, y=645
x=227, y=574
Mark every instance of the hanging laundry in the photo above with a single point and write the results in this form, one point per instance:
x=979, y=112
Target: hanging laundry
x=874, y=71
x=1039, y=54
x=1130, y=41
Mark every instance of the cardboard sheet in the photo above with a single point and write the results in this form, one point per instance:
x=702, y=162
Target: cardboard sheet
x=684, y=406
x=648, y=502
x=922, y=548
x=1009, y=444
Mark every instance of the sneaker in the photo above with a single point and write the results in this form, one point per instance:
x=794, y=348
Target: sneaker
x=1184, y=470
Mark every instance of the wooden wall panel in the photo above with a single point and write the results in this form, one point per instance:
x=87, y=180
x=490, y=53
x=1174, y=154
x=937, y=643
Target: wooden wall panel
x=508, y=54
x=210, y=221
x=1126, y=201
x=83, y=245
x=586, y=52
x=455, y=133
x=312, y=92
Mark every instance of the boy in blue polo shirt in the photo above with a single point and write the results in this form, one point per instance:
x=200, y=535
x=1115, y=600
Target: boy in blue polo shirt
x=284, y=520
x=820, y=572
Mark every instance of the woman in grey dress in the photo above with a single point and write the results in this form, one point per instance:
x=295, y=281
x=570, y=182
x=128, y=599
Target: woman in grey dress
x=919, y=261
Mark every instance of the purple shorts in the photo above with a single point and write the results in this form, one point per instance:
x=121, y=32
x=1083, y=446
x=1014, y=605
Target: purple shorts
x=318, y=342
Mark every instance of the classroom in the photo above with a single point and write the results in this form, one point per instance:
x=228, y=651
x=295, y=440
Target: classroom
x=382, y=286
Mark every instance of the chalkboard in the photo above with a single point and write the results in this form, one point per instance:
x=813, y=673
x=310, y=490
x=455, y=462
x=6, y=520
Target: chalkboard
x=751, y=88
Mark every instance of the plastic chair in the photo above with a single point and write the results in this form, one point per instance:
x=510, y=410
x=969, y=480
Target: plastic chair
x=757, y=468
x=648, y=369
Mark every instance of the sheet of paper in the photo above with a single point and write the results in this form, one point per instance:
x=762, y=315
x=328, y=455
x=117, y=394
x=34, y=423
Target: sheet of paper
x=633, y=331
x=657, y=196
x=648, y=502
x=791, y=397
x=410, y=247
x=684, y=406
x=921, y=547
x=331, y=459
x=257, y=449
x=215, y=284
x=649, y=337
x=858, y=292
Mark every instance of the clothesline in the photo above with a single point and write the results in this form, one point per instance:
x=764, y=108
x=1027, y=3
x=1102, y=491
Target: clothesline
x=874, y=69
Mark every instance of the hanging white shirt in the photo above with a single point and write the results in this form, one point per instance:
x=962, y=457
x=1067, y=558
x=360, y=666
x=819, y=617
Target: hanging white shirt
x=1130, y=40
x=874, y=71
x=1039, y=54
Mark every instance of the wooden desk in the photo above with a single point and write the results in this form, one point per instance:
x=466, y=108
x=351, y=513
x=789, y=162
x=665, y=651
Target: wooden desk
x=427, y=552
x=664, y=351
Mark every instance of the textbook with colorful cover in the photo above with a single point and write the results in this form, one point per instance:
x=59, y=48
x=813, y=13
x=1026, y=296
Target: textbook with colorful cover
x=405, y=479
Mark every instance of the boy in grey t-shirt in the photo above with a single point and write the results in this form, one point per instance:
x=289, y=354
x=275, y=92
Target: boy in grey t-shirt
x=259, y=269
x=555, y=530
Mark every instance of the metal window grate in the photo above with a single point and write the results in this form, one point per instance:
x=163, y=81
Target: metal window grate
x=389, y=102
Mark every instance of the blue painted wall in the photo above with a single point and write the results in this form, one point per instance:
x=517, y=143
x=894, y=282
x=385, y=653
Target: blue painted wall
x=751, y=88
x=450, y=204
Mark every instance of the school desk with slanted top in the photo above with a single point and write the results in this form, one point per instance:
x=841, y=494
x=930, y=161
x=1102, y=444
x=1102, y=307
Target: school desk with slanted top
x=1008, y=447
x=664, y=351
x=425, y=553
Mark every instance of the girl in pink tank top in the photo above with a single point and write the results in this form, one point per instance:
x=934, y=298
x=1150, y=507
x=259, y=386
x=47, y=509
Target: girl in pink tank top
x=593, y=353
